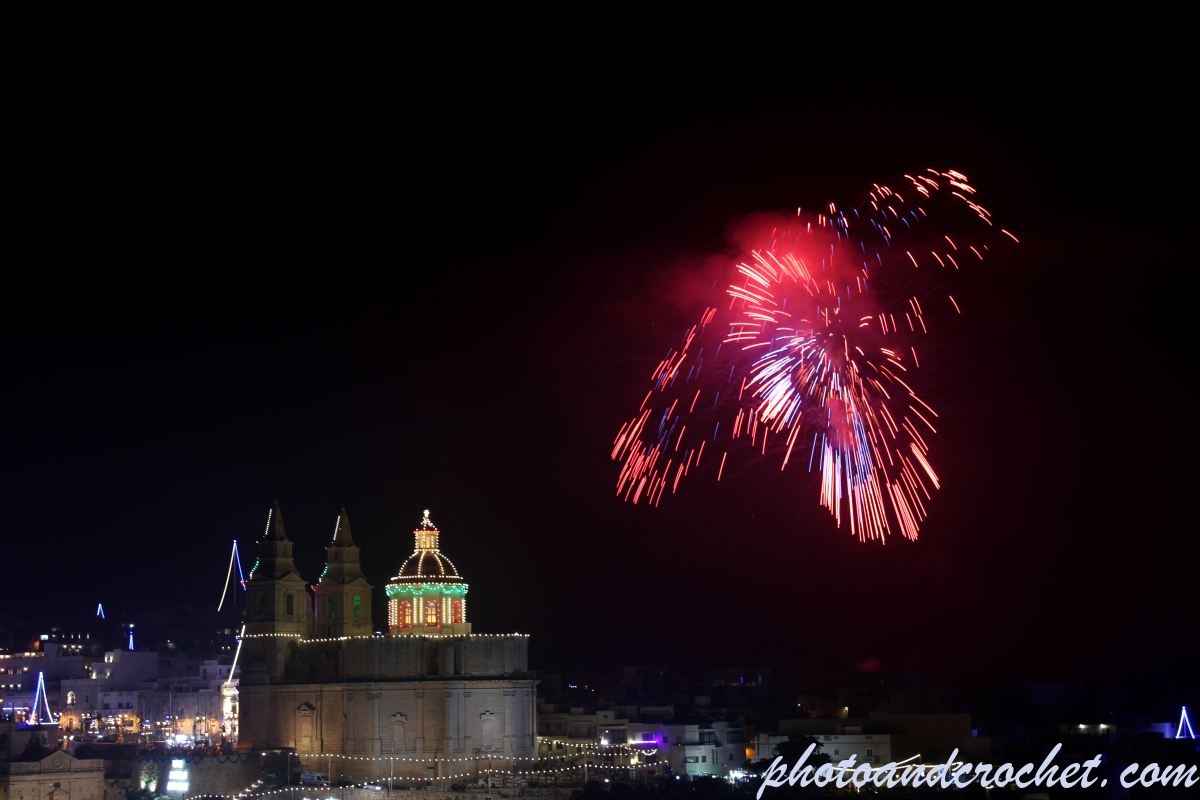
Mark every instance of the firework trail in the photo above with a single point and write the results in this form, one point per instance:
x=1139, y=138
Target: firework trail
x=812, y=355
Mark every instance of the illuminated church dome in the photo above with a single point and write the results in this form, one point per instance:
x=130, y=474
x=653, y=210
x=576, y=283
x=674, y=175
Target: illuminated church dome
x=428, y=596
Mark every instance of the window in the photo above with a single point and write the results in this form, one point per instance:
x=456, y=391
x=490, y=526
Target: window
x=289, y=604
x=703, y=759
x=357, y=607
x=406, y=613
x=870, y=752
x=456, y=611
x=837, y=752
x=70, y=699
x=260, y=604
x=691, y=759
x=431, y=612
x=329, y=607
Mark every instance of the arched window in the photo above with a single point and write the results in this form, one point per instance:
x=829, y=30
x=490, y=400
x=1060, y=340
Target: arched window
x=357, y=606
x=70, y=699
x=289, y=603
x=406, y=613
x=456, y=610
x=431, y=612
x=261, y=604
x=329, y=608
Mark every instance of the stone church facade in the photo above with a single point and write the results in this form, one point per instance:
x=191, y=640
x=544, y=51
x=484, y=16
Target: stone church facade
x=428, y=698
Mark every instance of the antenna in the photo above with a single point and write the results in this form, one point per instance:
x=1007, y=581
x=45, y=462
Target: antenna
x=236, y=653
x=1183, y=720
x=41, y=694
x=233, y=558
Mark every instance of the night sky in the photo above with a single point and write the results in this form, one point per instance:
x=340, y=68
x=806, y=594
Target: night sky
x=448, y=291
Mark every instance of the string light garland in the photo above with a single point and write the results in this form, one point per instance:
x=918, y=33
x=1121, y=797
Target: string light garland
x=408, y=589
x=381, y=636
x=266, y=532
x=374, y=781
x=436, y=759
x=619, y=747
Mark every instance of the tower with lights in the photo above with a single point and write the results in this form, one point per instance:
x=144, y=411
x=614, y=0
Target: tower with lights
x=276, y=607
x=428, y=596
x=343, y=596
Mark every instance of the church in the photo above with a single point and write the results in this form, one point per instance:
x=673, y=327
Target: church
x=426, y=699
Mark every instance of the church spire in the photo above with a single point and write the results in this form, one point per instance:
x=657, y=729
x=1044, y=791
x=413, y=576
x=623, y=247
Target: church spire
x=343, y=594
x=275, y=604
x=274, y=550
x=341, y=531
x=275, y=530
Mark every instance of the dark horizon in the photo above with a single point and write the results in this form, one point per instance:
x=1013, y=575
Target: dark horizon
x=324, y=313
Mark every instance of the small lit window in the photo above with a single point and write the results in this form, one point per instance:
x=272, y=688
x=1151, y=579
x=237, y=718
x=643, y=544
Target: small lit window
x=357, y=607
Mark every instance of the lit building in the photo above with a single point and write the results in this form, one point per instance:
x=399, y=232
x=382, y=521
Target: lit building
x=427, y=699
x=428, y=592
x=30, y=769
x=19, y=674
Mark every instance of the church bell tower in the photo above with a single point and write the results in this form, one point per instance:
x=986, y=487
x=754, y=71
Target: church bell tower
x=276, y=607
x=343, y=605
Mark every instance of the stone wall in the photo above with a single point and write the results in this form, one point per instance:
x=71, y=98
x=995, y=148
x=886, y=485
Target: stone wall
x=409, y=721
x=207, y=775
x=401, y=657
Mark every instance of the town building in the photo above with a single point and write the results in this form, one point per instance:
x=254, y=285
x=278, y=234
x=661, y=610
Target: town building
x=647, y=740
x=19, y=672
x=142, y=695
x=428, y=698
x=32, y=769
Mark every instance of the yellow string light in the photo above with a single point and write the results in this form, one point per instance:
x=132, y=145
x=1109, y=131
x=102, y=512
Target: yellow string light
x=364, y=783
x=301, y=640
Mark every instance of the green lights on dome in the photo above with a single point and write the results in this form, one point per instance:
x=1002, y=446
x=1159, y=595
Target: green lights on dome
x=406, y=589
